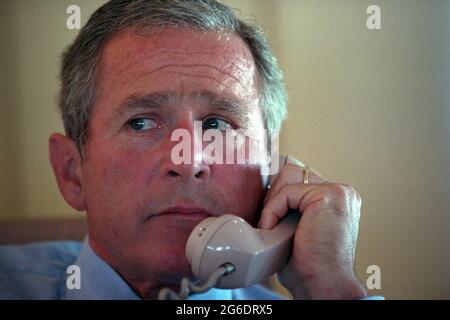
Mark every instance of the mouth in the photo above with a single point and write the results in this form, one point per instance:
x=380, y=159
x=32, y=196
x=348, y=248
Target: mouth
x=184, y=212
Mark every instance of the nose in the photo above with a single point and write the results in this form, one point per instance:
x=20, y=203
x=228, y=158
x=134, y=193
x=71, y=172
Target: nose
x=194, y=167
x=196, y=172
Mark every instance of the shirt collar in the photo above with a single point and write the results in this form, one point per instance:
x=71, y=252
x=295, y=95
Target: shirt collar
x=99, y=281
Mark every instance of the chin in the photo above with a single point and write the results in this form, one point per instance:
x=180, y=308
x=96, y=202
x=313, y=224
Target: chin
x=172, y=261
x=177, y=257
x=160, y=249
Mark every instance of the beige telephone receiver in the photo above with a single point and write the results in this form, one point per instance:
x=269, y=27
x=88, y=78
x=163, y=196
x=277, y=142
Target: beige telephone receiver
x=227, y=252
x=254, y=253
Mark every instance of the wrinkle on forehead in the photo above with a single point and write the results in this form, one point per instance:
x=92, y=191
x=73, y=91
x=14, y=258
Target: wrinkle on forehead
x=126, y=55
x=198, y=66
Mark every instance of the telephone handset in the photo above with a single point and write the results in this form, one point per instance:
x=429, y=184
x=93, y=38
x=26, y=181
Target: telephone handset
x=254, y=253
x=227, y=252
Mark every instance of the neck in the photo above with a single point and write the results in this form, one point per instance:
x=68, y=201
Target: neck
x=148, y=290
x=146, y=285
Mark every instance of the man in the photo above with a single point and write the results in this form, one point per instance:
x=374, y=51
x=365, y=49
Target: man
x=138, y=71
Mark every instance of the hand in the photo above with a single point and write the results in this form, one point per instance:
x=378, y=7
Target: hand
x=321, y=265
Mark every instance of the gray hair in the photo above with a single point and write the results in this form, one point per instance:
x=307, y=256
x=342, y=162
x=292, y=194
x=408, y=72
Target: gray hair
x=80, y=60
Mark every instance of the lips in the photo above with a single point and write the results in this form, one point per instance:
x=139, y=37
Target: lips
x=185, y=212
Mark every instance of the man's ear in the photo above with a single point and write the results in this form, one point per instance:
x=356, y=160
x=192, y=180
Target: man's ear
x=66, y=163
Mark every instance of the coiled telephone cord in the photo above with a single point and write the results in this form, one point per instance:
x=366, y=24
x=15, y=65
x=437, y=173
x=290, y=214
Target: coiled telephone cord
x=187, y=287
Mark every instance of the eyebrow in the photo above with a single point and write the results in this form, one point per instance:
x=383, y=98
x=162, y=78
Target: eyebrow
x=152, y=100
x=229, y=105
x=157, y=100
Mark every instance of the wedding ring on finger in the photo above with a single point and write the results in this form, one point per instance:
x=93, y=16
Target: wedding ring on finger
x=305, y=175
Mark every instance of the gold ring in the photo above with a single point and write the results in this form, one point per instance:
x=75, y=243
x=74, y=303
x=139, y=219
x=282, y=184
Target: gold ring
x=305, y=176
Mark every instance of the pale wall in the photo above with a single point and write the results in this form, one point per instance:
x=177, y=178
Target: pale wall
x=369, y=108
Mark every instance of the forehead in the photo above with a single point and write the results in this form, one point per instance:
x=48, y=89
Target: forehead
x=160, y=60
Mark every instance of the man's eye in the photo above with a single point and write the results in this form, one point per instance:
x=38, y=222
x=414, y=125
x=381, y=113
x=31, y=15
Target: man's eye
x=140, y=124
x=215, y=123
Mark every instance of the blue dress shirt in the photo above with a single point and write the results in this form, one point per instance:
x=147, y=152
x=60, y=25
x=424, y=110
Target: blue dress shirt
x=39, y=271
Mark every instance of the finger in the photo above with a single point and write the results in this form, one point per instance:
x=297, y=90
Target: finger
x=288, y=197
x=293, y=174
x=289, y=174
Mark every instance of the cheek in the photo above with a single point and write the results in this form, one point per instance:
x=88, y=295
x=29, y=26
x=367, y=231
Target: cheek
x=117, y=180
x=244, y=190
x=113, y=171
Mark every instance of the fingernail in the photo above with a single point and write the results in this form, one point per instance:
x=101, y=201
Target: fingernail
x=263, y=225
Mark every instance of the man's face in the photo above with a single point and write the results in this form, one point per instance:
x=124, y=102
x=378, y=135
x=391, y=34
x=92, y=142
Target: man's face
x=141, y=206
